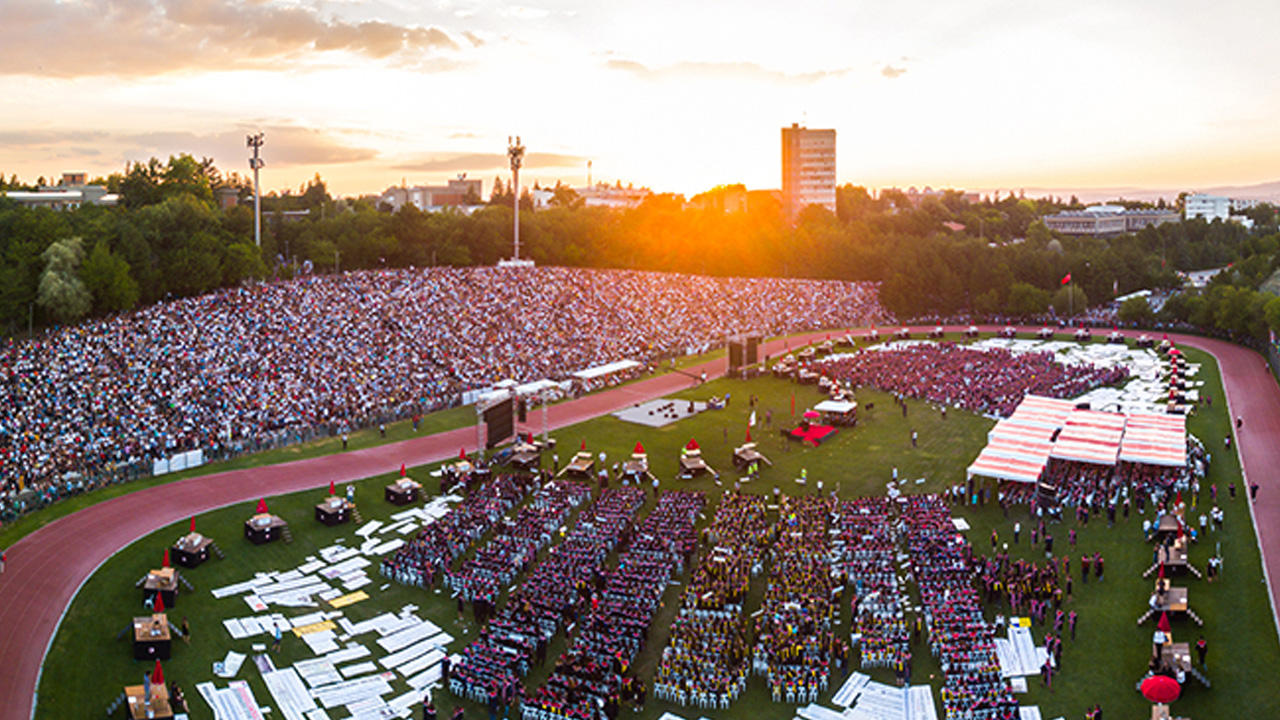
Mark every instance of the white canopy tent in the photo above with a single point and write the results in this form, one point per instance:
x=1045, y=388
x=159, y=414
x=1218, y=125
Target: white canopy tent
x=609, y=369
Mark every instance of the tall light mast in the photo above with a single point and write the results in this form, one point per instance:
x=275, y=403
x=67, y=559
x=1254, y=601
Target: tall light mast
x=515, y=152
x=255, y=162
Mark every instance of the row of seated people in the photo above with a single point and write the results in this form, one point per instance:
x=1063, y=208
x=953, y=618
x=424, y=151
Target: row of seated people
x=867, y=543
x=418, y=561
x=705, y=661
x=516, y=542
x=959, y=635
x=555, y=592
x=794, y=640
x=589, y=675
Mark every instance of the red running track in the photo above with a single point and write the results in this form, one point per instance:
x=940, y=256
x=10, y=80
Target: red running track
x=40, y=581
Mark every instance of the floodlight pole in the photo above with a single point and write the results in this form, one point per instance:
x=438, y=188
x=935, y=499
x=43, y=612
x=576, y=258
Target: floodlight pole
x=255, y=142
x=515, y=152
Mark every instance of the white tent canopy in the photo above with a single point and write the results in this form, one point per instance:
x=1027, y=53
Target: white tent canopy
x=1019, y=448
x=835, y=406
x=609, y=369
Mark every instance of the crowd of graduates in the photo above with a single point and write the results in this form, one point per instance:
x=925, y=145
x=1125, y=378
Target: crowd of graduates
x=794, y=635
x=430, y=553
x=705, y=661
x=556, y=594
x=869, y=542
x=587, y=681
x=991, y=382
x=516, y=542
x=959, y=635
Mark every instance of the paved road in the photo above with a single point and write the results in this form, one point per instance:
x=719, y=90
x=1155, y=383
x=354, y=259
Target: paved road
x=41, y=580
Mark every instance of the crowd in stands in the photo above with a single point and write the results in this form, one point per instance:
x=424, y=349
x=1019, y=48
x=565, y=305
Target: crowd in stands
x=235, y=370
x=555, y=594
x=868, y=542
x=795, y=642
x=992, y=382
x=705, y=661
x=959, y=635
x=418, y=561
x=587, y=680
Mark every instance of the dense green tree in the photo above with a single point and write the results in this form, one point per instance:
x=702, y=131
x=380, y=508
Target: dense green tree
x=106, y=276
x=62, y=293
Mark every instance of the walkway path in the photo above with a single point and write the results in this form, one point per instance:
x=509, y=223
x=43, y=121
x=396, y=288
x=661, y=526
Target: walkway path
x=42, y=578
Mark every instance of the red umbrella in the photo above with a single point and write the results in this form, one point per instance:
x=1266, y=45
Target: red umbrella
x=193, y=523
x=583, y=446
x=157, y=675
x=462, y=453
x=1161, y=575
x=332, y=490
x=1163, y=625
x=811, y=415
x=693, y=444
x=1161, y=689
x=165, y=562
x=159, y=606
x=639, y=449
x=402, y=470
x=262, y=506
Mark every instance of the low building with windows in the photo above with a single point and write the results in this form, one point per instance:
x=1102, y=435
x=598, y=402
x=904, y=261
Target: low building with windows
x=1107, y=220
x=455, y=193
x=69, y=194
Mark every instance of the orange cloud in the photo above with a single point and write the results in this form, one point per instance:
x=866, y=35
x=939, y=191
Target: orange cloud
x=140, y=38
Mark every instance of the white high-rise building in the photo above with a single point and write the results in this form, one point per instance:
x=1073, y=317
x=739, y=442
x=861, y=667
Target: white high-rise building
x=808, y=169
x=1209, y=207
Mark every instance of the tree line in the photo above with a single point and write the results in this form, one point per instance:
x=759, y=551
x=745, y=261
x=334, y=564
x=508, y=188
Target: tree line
x=941, y=256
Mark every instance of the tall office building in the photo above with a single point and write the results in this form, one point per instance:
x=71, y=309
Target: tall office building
x=808, y=169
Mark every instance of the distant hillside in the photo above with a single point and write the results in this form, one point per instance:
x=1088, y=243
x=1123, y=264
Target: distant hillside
x=1268, y=191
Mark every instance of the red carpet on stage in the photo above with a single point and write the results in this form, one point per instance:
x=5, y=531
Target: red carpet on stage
x=815, y=435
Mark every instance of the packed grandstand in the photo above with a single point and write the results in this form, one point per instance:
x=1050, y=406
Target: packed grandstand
x=238, y=369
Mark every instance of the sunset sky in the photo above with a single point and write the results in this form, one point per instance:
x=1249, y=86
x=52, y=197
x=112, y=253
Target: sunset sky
x=674, y=95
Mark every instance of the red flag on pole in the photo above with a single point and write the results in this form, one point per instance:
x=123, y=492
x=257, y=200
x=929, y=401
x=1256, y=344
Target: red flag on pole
x=262, y=506
x=157, y=675
x=1066, y=278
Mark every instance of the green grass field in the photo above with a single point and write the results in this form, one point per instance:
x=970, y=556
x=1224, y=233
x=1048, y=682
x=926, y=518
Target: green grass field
x=87, y=666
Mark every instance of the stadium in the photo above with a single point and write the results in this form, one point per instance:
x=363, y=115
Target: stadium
x=554, y=493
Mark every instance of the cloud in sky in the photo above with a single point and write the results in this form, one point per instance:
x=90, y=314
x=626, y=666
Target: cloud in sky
x=477, y=162
x=721, y=70
x=285, y=146
x=133, y=38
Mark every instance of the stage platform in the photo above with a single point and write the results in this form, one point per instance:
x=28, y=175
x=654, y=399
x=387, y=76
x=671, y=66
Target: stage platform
x=660, y=413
